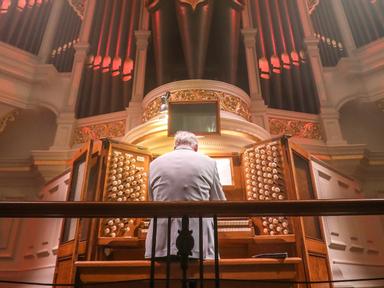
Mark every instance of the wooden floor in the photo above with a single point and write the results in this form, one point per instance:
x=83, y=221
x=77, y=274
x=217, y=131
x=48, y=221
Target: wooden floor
x=241, y=271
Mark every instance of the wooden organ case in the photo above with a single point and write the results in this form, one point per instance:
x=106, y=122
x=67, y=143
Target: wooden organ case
x=109, y=250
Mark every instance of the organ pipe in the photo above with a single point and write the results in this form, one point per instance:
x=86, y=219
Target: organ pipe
x=63, y=51
x=106, y=84
x=366, y=19
x=286, y=77
x=22, y=23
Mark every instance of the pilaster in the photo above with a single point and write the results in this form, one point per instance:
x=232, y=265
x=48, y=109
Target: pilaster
x=258, y=108
x=142, y=37
x=134, y=109
x=329, y=116
x=81, y=49
x=312, y=48
x=66, y=120
x=65, y=124
x=134, y=115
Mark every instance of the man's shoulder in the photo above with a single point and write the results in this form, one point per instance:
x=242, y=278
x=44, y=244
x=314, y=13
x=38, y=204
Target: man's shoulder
x=183, y=153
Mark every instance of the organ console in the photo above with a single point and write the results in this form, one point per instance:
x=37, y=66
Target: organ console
x=97, y=250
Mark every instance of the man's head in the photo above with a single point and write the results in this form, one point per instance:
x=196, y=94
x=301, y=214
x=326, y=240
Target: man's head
x=184, y=138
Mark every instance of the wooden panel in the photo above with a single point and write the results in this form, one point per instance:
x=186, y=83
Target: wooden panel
x=316, y=246
x=63, y=271
x=318, y=268
x=66, y=250
x=246, y=269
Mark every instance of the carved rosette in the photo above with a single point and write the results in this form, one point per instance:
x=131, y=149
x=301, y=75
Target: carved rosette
x=298, y=128
x=9, y=117
x=228, y=102
x=91, y=132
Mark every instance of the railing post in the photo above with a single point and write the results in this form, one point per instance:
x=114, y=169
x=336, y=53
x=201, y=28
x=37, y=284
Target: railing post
x=216, y=240
x=184, y=244
x=153, y=254
x=168, y=271
x=201, y=248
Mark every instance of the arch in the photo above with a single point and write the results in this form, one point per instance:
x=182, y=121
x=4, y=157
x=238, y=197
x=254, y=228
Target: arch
x=32, y=129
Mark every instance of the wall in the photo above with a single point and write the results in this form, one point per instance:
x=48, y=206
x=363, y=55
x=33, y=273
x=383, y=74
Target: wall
x=355, y=243
x=28, y=246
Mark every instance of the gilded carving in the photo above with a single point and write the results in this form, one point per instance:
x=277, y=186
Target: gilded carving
x=193, y=3
x=311, y=4
x=78, y=6
x=298, y=128
x=228, y=102
x=9, y=117
x=91, y=132
x=380, y=104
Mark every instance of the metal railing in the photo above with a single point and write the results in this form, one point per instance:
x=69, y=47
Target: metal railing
x=186, y=210
x=84, y=209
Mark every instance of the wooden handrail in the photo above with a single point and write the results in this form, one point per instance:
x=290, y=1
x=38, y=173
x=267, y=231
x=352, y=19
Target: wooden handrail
x=192, y=208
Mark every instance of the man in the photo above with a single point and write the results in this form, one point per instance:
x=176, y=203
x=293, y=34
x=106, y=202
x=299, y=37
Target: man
x=183, y=175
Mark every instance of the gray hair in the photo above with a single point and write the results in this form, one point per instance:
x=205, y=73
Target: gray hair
x=186, y=138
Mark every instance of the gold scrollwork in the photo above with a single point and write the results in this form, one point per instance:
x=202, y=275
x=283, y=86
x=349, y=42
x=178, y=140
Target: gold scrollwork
x=9, y=117
x=78, y=6
x=311, y=5
x=91, y=132
x=228, y=102
x=193, y=3
x=298, y=128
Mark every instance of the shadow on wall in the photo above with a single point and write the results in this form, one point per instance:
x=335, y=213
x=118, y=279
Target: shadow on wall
x=32, y=129
x=363, y=123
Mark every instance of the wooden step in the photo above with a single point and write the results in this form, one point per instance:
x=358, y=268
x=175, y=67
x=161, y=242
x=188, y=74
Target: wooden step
x=240, y=269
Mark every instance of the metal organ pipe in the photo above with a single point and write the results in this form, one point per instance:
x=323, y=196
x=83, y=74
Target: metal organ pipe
x=106, y=64
x=263, y=61
x=277, y=99
x=115, y=102
x=296, y=68
x=95, y=88
x=106, y=83
x=128, y=61
x=286, y=71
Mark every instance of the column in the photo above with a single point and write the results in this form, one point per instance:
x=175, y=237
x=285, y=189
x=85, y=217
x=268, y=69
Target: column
x=66, y=120
x=135, y=110
x=345, y=29
x=329, y=116
x=258, y=107
x=50, y=30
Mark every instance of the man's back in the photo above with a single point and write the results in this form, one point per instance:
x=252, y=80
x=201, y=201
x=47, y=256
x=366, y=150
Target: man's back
x=184, y=175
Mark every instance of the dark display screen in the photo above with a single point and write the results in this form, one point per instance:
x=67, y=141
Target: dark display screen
x=201, y=118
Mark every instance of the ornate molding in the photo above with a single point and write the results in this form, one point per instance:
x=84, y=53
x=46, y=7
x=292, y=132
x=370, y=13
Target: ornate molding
x=96, y=131
x=229, y=103
x=298, y=128
x=9, y=117
x=78, y=6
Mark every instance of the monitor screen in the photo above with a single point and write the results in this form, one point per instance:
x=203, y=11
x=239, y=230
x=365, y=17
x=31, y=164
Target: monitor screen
x=201, y=118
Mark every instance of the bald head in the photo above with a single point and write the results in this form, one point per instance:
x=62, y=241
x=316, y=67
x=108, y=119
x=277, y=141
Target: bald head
x=185, y=138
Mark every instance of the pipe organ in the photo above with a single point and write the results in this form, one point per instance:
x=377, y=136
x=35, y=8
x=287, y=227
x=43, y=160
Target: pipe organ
x=277, y=169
